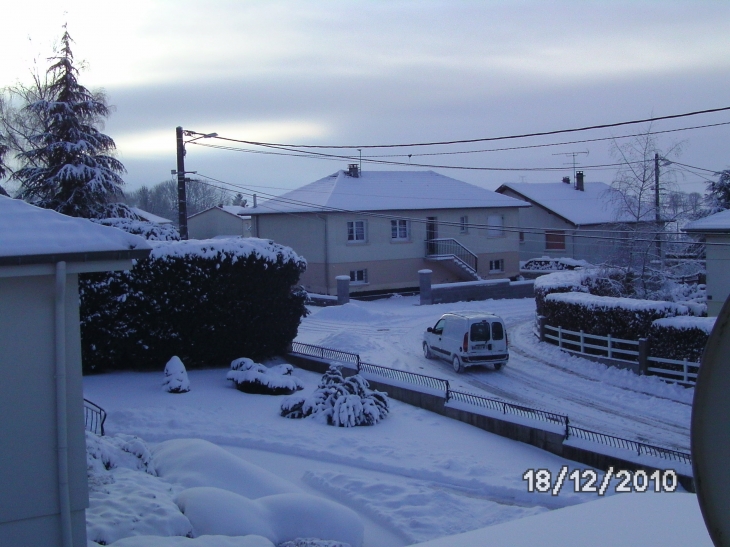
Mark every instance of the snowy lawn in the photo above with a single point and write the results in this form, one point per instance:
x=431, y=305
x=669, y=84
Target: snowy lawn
x=414, y=476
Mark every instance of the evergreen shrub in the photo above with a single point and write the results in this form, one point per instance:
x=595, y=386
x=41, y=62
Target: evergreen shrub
x=687, y=339
x=207, y=302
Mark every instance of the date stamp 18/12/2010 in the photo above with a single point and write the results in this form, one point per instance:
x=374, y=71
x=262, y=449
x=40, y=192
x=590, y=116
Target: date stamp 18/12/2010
x=587, y=480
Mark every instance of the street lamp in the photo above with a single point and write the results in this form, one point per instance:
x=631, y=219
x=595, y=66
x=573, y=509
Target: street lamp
x=182, y=203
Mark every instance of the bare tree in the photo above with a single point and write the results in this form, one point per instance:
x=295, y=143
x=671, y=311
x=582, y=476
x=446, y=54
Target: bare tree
x=161, y=199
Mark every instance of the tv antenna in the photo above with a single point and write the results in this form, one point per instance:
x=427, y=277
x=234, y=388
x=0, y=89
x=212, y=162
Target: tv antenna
x=573, y=155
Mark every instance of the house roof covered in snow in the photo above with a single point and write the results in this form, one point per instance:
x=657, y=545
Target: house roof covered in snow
x=235, y=210
x=31, y=235
x=718, y=223
x=149, y=217
x=596, y=204
x=384, y=191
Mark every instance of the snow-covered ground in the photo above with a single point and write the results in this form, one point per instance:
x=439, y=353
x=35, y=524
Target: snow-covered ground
x=413, y=477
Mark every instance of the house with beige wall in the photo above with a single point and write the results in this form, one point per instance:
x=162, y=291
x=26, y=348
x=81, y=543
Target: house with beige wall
x=715, y=230
x=220, y=221
x=43, y=481
x=583, y=221
x=381, y=227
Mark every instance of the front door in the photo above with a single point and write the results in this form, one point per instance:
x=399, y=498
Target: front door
x=431, y=234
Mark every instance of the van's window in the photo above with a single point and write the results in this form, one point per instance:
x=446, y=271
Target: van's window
x=439, y=328
x=497, y=331
x=479, y=332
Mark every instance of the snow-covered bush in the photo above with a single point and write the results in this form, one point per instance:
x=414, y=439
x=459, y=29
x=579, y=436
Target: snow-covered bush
x=148, y=230
x=251, y=377
x=313, y=542
x=680, y=337
x=339, y=401
x=104, y=453
x=176, y=377
x=206, y=301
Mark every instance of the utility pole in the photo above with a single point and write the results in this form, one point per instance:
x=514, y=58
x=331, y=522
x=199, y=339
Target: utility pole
x=657, y=215
x=182, y=201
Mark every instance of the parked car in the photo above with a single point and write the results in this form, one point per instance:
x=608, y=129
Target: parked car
x=466, y=339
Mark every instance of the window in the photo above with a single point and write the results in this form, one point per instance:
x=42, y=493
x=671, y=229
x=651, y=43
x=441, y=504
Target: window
x=359, y=276
x=495, y=224
x=356, y=231
x=496, y=266
x=464, y=225
x=399, y=230
x=555, y=240
x=497, y=331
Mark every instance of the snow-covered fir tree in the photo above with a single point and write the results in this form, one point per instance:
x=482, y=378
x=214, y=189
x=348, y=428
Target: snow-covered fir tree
x=70, y=167
x=718, y=192
x=176, y=377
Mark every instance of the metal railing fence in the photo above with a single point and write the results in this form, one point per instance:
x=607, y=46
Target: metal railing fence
x=494, y=404
x=451, y=247
x=94, y=417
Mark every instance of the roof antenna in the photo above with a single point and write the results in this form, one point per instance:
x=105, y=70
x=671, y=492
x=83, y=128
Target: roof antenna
x=409, y=158
x=573, y=154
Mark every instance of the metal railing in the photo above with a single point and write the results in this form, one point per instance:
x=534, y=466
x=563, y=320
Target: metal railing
x=452, y=248
x=405, y=376
x=494, y=404
x=94, y=417
x=626, y=444
x=509, y=408
x=326, y=353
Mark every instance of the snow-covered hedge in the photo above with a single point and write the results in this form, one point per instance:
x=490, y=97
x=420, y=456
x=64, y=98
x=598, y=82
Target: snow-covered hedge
x=680, y=337
x=548, y=264
x=148, y=230
x=596, y=281
x=625, y=318
x=251, y=377
x=207, y=302
x=340, y=402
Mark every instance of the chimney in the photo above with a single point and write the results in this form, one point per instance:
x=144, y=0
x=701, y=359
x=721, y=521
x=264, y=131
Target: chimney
x=566, y=180
x=579, y=181
x=352, y=170
x=254, y=201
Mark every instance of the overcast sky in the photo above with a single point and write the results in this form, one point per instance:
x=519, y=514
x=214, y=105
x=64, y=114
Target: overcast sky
x=359, y=73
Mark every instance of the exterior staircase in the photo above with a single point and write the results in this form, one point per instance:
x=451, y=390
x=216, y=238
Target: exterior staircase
x=463, y=261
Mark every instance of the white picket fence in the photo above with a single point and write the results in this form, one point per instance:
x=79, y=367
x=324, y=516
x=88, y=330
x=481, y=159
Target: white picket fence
x=621, y=350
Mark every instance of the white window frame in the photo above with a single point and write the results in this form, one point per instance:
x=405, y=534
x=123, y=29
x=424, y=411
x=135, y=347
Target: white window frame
x=495, y=226
x=496, y=266
x=352, y=226
x=464, y=224
x=362, y=274
x=401, y=228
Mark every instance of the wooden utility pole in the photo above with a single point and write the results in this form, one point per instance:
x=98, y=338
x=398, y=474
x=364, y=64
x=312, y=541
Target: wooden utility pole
x=182, y=202
x=657, y=214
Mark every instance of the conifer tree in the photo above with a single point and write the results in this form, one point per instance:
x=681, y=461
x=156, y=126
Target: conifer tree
x=70, y=167
x=718, y=192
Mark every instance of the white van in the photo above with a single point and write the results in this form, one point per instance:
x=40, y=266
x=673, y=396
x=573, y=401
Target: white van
x=466, y=339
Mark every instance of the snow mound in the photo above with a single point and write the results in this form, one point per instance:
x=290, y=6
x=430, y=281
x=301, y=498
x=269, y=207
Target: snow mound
x=195, y=462
x=251, y=377
x=279, y=518
x=200, y=541
x=119, y=451
x=176, y=377
x=341, y=402
x=124, y=502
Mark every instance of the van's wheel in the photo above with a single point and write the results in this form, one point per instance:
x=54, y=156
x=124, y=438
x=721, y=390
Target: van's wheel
x=498, y=366
x=458, y=367
x=427, y=351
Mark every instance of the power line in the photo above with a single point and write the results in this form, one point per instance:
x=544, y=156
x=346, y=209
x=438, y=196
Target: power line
x=485, y=139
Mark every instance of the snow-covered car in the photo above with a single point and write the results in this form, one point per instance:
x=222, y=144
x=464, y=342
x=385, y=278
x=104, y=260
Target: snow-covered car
x=466, y=339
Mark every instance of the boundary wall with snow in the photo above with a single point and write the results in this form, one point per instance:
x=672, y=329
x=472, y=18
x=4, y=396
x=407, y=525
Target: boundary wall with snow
x=545, y=430
x=495, y=289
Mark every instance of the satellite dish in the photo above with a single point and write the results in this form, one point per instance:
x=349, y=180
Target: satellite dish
x=710, y=431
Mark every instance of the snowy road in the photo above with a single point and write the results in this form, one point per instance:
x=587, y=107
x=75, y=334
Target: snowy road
x=609, y=400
